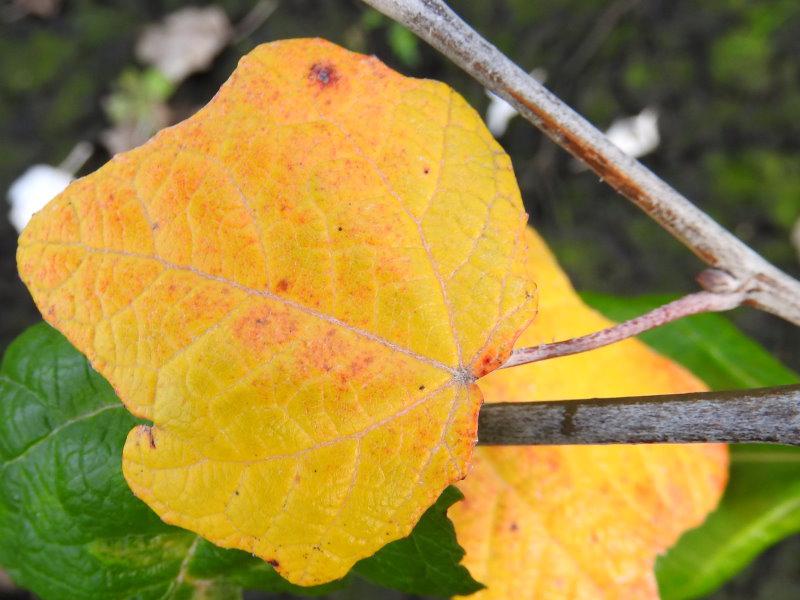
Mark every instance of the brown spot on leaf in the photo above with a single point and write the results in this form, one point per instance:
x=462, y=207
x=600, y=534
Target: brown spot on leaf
x=355, y=369
x=282, y=286
x=150, y=437
x=513, y=526
x=324, y=74
x=265, y=325
x=274, y=563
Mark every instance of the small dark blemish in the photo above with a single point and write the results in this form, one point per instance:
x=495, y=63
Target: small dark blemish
x=513, y=526
x=275, y=564
x=422, y=387
x=325, y=74
x=236, y=492
x=282, y=286
x=154, y=226
x=568, y=420
x=426, y=170
x=152, y=439
x=339, y=228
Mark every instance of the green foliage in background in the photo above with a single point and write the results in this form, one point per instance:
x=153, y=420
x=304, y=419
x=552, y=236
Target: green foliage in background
x=724, y=75
x=71, y=528
x=136, y=93
x=761, y=504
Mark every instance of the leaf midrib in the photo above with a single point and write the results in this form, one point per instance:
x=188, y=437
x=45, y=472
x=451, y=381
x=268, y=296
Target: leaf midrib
x=263, y=294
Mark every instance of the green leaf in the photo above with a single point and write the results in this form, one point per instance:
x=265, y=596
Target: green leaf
x=426, y=562
x=69, y=525
x=709, y=345
x=761, y=504
x=71, y=528
x=404, y=44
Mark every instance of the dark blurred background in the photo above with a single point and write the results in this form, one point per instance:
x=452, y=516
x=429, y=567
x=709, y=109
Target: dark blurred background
x=722, y=75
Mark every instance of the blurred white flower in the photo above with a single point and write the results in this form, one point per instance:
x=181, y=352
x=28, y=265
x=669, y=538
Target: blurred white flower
x=637, y=135
x=500, y=112
x=41, y=183
x=185, y=42
x=32, y=190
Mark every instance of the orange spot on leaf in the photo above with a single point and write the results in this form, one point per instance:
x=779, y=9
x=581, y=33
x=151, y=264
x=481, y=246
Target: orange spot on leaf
x=486, y=363
x=263, y=326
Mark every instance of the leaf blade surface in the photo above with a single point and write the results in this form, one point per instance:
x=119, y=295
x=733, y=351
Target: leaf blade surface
x=581, y=521
x=760, y=504
x=297, y=301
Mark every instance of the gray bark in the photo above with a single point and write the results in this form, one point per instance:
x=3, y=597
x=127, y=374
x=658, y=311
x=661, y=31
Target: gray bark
x=758, y=415
x=739, y=268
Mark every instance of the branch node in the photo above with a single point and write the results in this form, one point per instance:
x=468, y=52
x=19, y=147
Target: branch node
x=721, y=281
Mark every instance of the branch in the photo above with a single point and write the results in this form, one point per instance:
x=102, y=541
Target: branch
x=765, y=286
x=692, y=304
x=759, y=415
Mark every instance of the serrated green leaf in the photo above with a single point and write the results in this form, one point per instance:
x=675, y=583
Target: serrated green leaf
x=426, y=562
x=761, y=504
x=71, y=528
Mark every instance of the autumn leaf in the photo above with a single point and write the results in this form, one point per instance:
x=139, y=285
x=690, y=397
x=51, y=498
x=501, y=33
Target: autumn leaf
x=71, y=528
x=583, y=521
x=298, y=287
x=69, y=525
x=757, y=508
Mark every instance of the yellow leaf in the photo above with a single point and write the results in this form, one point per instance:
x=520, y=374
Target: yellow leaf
x=557, y=522
x=296, y=286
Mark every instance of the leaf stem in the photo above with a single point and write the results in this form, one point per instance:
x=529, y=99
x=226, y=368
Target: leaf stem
x=691, y=304
x=760, y=415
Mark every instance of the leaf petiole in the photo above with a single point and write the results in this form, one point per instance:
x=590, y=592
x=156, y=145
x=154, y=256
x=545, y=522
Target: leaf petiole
x=691, y=304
